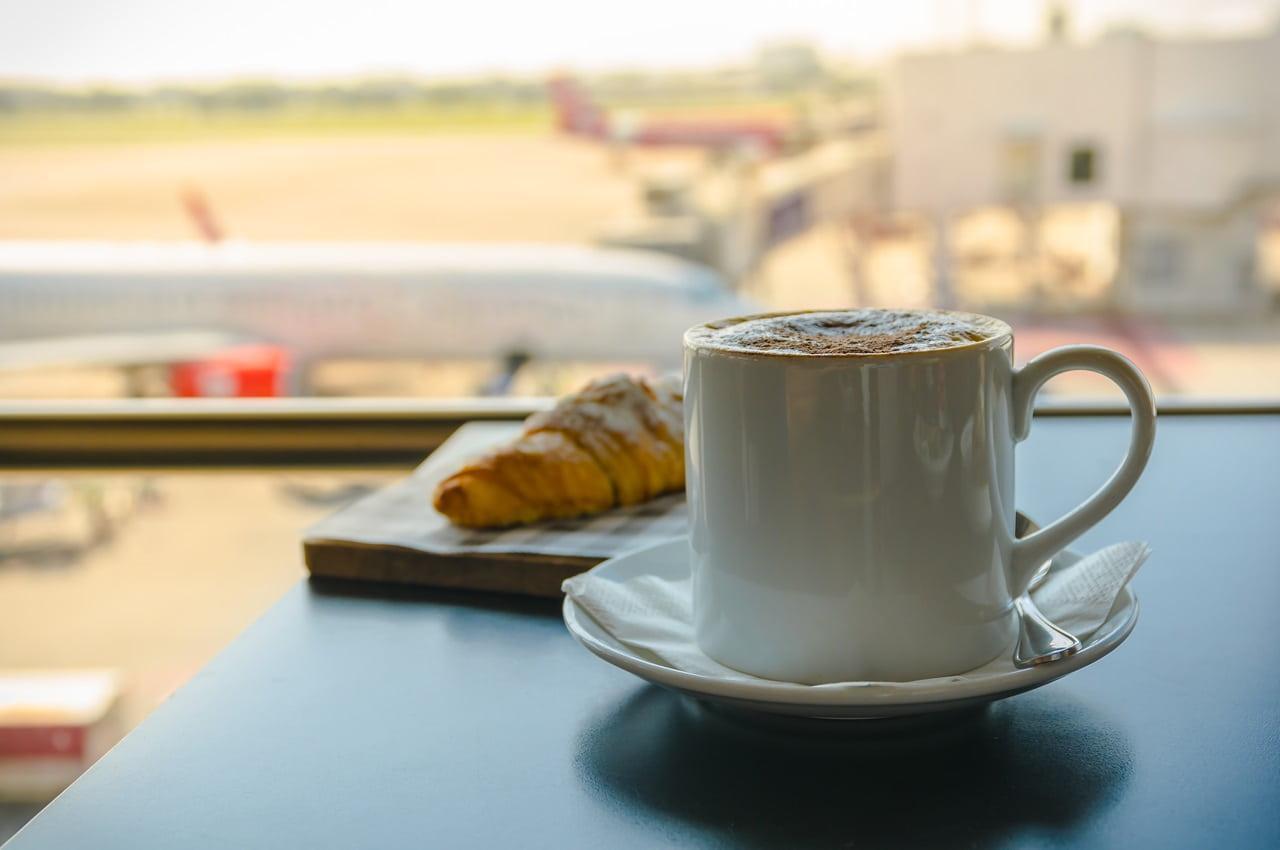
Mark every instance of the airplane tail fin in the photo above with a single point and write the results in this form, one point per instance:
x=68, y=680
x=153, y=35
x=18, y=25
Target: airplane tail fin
x=576, y=114
x=200, y=211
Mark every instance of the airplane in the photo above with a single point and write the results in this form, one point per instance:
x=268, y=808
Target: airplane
x=133, y=304
x=578, y=115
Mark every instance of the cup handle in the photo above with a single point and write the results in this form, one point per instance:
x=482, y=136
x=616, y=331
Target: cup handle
x=1032, y=551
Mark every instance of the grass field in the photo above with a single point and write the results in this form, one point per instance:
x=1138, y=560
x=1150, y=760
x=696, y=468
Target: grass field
x=178, y=124
x=185, y=123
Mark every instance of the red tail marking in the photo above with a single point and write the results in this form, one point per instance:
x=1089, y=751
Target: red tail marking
x=201, y=214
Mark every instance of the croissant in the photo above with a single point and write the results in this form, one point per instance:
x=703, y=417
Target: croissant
x=617, y=441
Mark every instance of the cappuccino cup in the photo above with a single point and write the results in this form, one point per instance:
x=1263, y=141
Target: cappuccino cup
x=850, y=480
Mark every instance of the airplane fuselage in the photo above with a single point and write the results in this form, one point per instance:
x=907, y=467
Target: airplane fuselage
x=330, y=301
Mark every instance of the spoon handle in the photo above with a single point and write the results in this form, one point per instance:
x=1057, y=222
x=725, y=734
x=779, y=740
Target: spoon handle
x=1039, y=640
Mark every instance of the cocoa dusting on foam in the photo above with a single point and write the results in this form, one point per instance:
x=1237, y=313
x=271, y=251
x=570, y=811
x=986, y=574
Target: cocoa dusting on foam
x=847, y=332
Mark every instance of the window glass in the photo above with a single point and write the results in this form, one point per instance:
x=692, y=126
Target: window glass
x=401, y=200
x=115, y=589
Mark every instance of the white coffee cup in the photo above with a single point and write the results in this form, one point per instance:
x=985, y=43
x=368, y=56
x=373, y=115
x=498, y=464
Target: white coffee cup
x=852, y=515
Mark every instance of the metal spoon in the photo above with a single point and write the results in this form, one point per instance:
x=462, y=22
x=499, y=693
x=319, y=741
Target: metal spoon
x=1039, y=640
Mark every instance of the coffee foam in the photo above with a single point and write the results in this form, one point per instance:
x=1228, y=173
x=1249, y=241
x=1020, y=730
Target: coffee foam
x=846, y=332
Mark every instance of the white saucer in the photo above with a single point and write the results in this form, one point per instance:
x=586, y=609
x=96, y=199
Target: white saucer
x=669, y=560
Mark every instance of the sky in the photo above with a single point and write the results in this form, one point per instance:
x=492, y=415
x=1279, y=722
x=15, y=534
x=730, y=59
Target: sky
x=146, y=41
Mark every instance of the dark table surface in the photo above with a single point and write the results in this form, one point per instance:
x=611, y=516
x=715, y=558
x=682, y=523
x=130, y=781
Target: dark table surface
x=349, y=718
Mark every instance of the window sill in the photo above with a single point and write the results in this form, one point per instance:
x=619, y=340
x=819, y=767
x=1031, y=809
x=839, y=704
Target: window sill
x=257, y=433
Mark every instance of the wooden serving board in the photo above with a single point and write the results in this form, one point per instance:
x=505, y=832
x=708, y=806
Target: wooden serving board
x=528, y=575
x=394, y=535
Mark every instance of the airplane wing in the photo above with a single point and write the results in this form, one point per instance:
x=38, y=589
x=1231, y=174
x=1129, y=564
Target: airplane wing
x=142, y=348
